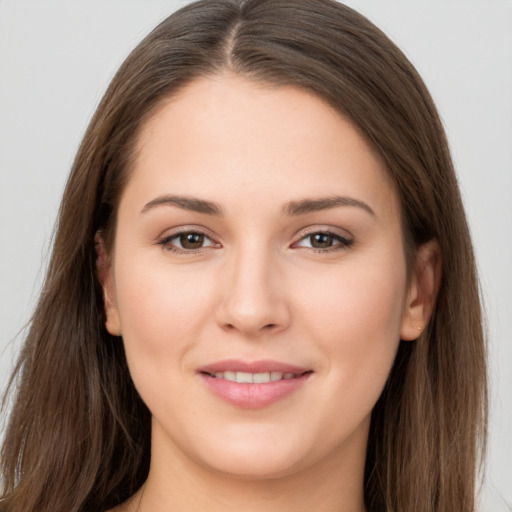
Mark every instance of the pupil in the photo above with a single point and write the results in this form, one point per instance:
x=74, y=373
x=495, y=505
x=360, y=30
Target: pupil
x=191, y=240
x=321, y=240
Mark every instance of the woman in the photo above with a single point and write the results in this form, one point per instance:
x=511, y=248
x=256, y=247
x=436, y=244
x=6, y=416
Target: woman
x=262, y=294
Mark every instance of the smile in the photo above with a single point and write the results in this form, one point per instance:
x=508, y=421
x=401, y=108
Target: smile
x=254, y=378
x=253, y=385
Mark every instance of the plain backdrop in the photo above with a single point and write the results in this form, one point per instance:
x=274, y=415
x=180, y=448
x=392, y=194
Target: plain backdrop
x=56, y=58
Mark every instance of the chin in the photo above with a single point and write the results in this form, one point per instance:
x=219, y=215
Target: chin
x=255, y=456
x=249, y=467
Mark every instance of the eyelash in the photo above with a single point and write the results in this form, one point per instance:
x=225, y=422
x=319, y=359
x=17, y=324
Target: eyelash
x=341, y=242
x=166, y=242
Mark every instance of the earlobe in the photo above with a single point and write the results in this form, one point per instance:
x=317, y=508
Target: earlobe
x=105, y=271
x=423, y=290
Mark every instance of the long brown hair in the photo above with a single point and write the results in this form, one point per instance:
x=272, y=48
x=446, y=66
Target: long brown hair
x=79, y=435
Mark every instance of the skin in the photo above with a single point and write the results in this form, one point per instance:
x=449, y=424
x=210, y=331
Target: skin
x=258, y=289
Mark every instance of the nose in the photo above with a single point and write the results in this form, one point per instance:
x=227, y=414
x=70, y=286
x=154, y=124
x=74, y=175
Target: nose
x=253, y=298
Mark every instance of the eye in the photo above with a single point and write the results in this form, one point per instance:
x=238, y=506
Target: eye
x=324, y=241
x=187, y=241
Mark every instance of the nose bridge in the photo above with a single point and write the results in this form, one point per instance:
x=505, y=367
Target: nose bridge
x=253, y=299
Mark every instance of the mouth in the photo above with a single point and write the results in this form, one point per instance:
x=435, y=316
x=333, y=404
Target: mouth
x=252, y=385
x=255, y=378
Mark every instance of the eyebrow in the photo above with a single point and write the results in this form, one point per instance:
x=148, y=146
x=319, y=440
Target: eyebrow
x=186, y=203
x=324, y=203
x=293, y=208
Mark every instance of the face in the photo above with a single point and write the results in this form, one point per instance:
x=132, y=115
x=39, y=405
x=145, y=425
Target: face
x=258, y=279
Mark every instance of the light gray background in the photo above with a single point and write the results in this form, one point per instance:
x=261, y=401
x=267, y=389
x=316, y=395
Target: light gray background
x=56, y=58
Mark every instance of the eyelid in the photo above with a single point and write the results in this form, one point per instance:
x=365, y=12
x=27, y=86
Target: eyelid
x=165, y=239
x=345, y=239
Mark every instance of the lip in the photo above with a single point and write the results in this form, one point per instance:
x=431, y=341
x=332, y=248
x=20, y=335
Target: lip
x=237, y=365
x=253, y=396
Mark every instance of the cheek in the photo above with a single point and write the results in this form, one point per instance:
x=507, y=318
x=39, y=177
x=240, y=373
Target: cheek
x=161, y=310
x=362, y=299
x=355, y=316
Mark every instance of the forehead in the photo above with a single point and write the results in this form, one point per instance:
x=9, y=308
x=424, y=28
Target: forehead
x=226, y=134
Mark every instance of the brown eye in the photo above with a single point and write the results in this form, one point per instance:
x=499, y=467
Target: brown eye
x=191, y=240
x=324, y=241
x=321, y=240
x=187, y=241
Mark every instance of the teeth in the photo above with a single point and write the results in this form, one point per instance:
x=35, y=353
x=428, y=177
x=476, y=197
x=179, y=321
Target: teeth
x=244, y=377
x=259, y=378
x=230, y=376
x=256, y=378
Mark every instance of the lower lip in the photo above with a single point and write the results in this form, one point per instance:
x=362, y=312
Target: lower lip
x=253, y=396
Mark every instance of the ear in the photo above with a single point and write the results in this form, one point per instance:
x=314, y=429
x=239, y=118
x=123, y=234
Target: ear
x=423, y=290
x=105, y=276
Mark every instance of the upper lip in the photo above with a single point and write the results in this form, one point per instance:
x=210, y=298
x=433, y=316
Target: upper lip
x=263, y=366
